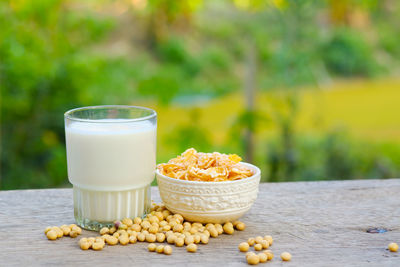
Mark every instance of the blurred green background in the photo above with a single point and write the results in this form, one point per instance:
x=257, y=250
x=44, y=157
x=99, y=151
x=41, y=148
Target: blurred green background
x=306, y=90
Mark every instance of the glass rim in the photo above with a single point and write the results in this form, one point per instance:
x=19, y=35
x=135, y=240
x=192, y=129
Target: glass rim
x=68, y=114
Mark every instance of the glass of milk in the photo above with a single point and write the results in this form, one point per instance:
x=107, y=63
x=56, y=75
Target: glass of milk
x=111, y=156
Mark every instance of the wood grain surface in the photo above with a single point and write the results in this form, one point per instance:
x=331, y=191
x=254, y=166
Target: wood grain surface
x=319, y=223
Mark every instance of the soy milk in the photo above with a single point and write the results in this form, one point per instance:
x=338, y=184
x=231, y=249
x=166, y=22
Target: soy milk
x=111, y=165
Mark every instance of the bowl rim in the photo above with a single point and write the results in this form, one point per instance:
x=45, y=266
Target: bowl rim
x=257, y=172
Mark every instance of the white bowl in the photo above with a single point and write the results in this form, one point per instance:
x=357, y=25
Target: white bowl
x=209, y=202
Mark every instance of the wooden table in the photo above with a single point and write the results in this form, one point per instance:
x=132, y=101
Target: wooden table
x=319, y=223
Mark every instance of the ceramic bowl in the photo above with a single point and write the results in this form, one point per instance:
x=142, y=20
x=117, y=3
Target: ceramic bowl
x=209, y=202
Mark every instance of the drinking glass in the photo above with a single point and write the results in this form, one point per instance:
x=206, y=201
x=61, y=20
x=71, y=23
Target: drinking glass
x=111, y=157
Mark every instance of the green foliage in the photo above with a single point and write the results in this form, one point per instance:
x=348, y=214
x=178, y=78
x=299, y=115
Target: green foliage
x=348, y=54
x=163, y=86
x=173, y=51
x=59, y=54
x=389, y=41
x=332, y=157
x=43, y=72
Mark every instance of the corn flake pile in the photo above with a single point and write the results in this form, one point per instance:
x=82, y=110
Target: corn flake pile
x=207, y=167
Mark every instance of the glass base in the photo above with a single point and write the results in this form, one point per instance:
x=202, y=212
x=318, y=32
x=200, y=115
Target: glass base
x=91, y=225
x=96, y=209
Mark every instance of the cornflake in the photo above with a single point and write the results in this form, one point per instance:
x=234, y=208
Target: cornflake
x=207, y=167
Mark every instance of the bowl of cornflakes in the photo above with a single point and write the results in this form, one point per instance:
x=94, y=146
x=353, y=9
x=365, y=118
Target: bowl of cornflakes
x=208, y=187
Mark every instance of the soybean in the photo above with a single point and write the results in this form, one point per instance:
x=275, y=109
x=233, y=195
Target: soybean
x=191, y=248
x=112, y=230
x=228, y=228
x=196, y=238
x=66, y=230
x=258, y=239
x=73, y=234
x=269, y=254
x=285, y=256
x=137, y=220
x=152, y=247
x=160, y=249
x=264, y=244
x=136, y=227
x=167, y=250
x=189, y=240
x=204, y=239
x=98, y=246
x=58, y=231
x=52, y=235
x=112, y=240
x=151, y=238
x=219, y=228
x=213, y=232
x=132, y=239
x=248, y=254
x=171, y=239
x=123, y=240
x=104, y=230
x=253, y=259
x=243, y=247
x=251, y=241
x=269, y=239
x=48, y=228
x=178, y=228
x=153, y=229
x=393, y=247
x=127, y=221
x=179, y=242
x=84, y=245
x=262, y=257
x=160, y=237
x=240, y=226
x=258, y=247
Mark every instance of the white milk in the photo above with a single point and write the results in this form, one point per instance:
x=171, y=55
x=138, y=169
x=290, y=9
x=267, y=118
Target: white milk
x=111, y=164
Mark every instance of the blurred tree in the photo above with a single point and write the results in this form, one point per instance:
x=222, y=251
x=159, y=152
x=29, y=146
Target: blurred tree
x=43, y=73
x=250, y=94
x=163, y=87
x=283, y=159
x=59, y=54
x=164, y=17
x=348, y=54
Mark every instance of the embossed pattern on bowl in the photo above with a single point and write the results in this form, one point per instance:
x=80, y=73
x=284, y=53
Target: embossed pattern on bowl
x=214, y=202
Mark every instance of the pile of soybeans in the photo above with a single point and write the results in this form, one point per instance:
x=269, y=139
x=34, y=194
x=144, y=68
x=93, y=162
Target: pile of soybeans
x=161, y=225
